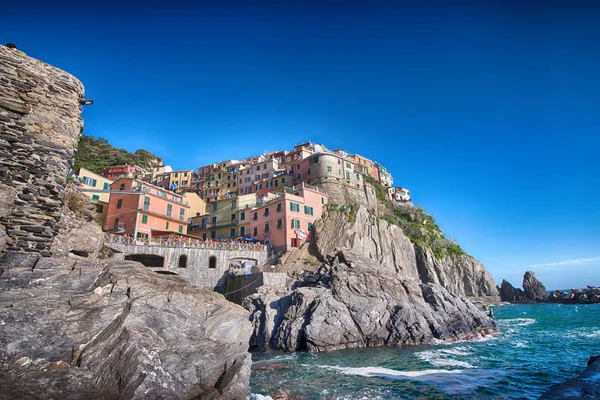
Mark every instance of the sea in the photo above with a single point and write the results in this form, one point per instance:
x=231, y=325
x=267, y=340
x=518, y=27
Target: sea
x=539, y=345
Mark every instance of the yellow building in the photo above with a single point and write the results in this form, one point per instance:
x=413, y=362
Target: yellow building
x=92, y=185
x=225, y=218
x=182, y=178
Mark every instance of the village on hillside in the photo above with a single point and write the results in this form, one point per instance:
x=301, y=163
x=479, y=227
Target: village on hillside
x=273, y=198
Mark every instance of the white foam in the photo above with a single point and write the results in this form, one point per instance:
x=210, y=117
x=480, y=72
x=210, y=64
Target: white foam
x=278, y=358
x=522, y=344
x=253, y=396
x=442, y=357
x=450, y=381
x=517, y=321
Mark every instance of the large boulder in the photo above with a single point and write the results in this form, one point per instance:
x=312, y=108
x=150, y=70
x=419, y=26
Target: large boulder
x=511, y=294
x=91, y=329
x=84, y=241
x=353, y=302
x=585, y=386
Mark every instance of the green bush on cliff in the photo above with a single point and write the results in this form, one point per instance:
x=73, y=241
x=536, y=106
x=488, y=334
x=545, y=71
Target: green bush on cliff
x=96, y=154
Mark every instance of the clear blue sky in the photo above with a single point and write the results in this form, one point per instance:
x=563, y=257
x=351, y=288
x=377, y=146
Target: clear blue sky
x=489, y=113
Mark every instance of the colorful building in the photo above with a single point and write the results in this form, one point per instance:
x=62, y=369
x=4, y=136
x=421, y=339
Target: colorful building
x=385, y=177
x=97, y=188
x=115, y=172
x=398, y=195
x=142, y=210
x=182, y=179
x=366, y=167
x=285, y=220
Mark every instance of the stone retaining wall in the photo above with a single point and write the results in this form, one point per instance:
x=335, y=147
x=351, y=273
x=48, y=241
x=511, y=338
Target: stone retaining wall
x=40, y=124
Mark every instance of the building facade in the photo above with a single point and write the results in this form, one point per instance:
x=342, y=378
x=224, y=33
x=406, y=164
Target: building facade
x=97, y=188
x=142, y=210
x=115, y=172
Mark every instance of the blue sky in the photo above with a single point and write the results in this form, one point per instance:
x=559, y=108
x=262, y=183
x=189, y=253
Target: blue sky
x=489, y=112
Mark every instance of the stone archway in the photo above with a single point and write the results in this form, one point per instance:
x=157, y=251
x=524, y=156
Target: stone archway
x=149, y=260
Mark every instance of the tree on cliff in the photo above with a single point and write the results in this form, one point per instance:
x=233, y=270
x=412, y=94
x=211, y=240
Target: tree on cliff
x=96, y=154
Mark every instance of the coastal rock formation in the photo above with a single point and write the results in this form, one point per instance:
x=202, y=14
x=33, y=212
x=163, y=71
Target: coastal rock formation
x=533, y=290
x=40, y=123
x=353, y=301
x=113, y=329
x=585, y=386
x=589, y=295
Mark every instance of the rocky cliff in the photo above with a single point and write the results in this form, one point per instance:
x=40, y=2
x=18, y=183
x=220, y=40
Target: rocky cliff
x=368, y=291
x=585, y=386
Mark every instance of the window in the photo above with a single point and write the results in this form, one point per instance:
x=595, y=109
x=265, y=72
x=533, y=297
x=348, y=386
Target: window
x=358, y=177
x=255, y=232
x=255, y=216
x=295, y=224
x=266, y=213
x=329, y=169
x=119, y=203
x=183, y=261
x=295, y=242
x=233, y=184
x=228, y=177
x=299, y=176
x=276, y=183
x=310, y=225
x=106, y=186
x=308, y=210
x=298, y=167
x=169, y=209
x=212, y=262
x=229, y=185
x=315, y=159
x=267, y=227
x=279, y=223
x=214, y=220
x=219, y=177
x=242, y=230
x=99, y=208
x=232, y=232
x=95, y=197
x=242, y=216
x=339, y=171
x=322, y=200
x=180, y=229
x=294, y=207
x=348, y=165
x=167, y=225
x=185, y=174
x=282, y=181
x=146, y=203
x=116, y=226
x=122, y=186
x=308, y=171
x=259, y=186
x=213, y=234
x=181, y=214
x=204, y=236
x=347, y=175
x=176, y=174
x=339, y=161
x=214, y=207
x=278, y=208
x=144, y=219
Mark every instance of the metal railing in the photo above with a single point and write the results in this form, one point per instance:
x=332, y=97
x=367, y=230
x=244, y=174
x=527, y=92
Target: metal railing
x=110, y=239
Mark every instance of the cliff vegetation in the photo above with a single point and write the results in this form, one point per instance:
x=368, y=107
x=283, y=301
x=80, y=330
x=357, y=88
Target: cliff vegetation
x=95, y=154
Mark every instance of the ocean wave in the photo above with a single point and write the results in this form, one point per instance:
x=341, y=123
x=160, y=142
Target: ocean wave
x=456, y=381
x=516, y=321
x=276, y=359
x=522, y=344
x=253, y=396
x=444, y=357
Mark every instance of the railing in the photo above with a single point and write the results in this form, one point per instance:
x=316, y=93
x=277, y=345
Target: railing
x=110, y=239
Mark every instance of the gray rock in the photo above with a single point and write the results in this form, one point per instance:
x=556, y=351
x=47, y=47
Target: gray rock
x=533, y=288
x=3, y=239
x=84, y=241
x=90, y=329
x=355, y=304
x=585, y=386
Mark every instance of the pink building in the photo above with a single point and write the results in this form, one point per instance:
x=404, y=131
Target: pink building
x=115, y=172
x=285, y=220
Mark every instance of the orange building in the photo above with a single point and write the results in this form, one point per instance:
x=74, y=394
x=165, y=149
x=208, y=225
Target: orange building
x=139, y=209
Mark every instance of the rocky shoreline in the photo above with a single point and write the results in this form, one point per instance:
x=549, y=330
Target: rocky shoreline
x=584, y=386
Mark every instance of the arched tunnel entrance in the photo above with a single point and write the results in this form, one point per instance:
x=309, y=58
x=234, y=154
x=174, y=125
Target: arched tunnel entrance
x=149, y=260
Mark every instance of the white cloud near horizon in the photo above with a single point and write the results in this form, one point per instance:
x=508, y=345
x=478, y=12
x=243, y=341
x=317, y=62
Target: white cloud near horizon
x=576, y=261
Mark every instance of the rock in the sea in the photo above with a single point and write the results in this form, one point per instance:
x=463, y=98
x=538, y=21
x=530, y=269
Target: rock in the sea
x=91, y=329
x=357, y=303
x=585, y=386
x=534, y=289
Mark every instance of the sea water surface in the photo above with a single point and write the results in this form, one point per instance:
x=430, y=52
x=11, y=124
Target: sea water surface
x=539, y=345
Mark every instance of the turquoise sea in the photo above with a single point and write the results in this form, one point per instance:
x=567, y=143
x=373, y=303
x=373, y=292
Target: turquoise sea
x=539, y=345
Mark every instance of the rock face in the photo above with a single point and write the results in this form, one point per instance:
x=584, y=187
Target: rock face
x=112, y=329
x=369, y=293
x=589, y=295
x=352, y=302
x=533, y=290
x=585, y=386
x=374, y=238
x=40, y=123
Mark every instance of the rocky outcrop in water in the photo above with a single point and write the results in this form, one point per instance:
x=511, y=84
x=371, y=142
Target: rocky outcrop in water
x=533, y=290
x=353, y=302
x=369, y=293
x=112, y=329
x=585, y=386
